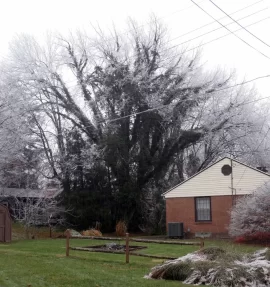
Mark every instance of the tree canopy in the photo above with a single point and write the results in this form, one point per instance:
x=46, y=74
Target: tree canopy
x=122, y=118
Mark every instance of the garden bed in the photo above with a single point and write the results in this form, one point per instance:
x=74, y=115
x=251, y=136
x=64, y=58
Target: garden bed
x=115, y=247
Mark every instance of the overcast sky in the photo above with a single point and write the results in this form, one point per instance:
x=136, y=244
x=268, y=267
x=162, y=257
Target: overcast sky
x=36, y=17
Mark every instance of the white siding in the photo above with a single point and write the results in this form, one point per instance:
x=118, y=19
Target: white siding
x=211, y=181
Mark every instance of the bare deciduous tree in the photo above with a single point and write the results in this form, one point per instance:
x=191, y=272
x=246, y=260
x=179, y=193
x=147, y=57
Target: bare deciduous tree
x=41, y=211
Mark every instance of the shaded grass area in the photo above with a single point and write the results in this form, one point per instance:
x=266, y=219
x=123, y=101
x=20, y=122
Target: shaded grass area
x=39, y=263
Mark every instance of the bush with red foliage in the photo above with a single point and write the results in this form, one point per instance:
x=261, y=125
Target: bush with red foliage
x=257, y=237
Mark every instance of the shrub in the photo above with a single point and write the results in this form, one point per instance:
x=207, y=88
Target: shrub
x=121, y=228
x=240, y=239
x=257, y=237
x=250, y=217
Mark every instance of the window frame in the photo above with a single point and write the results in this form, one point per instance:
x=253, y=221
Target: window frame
x=196, y=211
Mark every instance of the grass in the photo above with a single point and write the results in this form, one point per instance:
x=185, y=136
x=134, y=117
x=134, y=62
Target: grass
x=42, y=263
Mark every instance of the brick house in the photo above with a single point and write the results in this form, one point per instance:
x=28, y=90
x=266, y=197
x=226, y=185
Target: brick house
x=203, y=202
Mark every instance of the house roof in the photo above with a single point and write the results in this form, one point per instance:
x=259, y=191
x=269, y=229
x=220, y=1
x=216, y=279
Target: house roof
x=201, y=171
x=32, y=193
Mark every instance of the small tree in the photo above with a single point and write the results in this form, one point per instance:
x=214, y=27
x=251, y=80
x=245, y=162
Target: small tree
x=37, y=212
x=251, y=214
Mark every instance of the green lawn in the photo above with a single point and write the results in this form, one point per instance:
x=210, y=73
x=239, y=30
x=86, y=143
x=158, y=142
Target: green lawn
x=41, y=263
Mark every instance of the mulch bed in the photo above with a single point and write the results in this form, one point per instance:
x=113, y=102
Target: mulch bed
x=116, y=247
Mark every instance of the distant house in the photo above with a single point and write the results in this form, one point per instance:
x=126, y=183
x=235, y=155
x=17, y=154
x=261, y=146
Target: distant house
x=13, y=197
x=203, y=202
x=6, y=193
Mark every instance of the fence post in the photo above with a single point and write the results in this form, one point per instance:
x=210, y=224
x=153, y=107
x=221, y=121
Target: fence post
x=127, y=247
x=67, y=242
x=202, y=243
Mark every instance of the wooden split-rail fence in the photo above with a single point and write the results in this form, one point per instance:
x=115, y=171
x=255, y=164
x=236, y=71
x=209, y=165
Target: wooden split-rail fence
x=127, y=251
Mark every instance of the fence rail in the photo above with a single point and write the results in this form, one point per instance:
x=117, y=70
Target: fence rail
x=127, y=239
x=137, y=240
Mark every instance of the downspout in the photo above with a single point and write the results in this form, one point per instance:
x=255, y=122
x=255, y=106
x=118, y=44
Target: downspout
x=232, y=181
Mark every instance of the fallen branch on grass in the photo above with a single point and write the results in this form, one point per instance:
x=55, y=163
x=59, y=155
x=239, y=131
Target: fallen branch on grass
x=217, y=267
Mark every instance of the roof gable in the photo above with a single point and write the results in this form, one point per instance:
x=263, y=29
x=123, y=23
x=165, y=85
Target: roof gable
x=242, y=169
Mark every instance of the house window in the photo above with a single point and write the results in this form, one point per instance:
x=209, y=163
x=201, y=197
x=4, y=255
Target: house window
x=203, y=209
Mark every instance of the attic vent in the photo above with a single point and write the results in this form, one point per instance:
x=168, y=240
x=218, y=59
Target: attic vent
x=226, y=169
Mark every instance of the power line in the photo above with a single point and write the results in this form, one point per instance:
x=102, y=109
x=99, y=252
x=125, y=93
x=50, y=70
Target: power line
x=210, y=23
x=229, y=29
x=186, y=8
x=246, y=82
x=253, y=152
x=218, y=28
x=199, y=46
x=215, y=39
x=202, y=26
x=221, y=36
x=164, y=106
x=150, y=22
x=236, y=21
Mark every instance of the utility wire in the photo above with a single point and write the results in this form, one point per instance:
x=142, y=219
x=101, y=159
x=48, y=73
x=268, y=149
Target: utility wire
x=178, y=11
x=236, y=21
x=229, y=29
x=164, y=106
x=162, y=17
x=215, y=39
x=246, y=82
x=250, y=156
x=219, y=37
x=206, y=33
x=246, y=7
x=199, y=46
x=210, y=23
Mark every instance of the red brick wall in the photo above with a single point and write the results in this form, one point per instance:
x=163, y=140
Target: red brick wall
x=183, y=210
